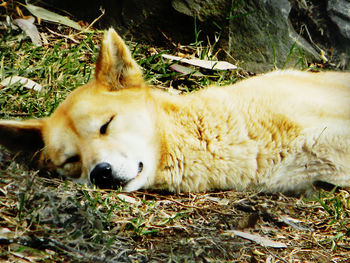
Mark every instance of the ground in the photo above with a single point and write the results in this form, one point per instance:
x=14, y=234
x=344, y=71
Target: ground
x=47, y=219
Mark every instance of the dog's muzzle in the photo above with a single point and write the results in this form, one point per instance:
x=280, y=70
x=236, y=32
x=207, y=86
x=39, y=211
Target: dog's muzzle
x=102, y=176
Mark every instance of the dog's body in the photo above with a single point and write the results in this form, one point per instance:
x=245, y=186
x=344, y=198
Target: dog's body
x=278, y=132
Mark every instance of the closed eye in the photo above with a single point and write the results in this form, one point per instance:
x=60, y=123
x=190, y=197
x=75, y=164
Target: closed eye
x=104, y=127
x=73, y=159
x=70, y=160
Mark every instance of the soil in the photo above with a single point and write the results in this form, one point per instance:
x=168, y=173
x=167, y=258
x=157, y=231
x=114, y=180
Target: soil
x=47, y=219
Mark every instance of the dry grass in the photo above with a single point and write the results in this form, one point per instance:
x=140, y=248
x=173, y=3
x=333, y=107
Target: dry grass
x=45, y=219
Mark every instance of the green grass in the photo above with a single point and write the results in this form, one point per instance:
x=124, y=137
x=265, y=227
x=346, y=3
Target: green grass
x=59, y=67
x=157, y=70
x=337, y=206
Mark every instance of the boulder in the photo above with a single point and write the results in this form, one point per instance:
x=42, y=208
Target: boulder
x=257, y=33
x=140, y=20
x=339, y=12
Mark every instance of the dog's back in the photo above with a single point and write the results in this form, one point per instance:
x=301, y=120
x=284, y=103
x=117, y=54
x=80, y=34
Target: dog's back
x=278, y=132
x=319, y=104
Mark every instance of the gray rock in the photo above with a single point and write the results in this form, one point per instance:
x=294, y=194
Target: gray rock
x=339, y=12
x=255, y=32
x=203, y=9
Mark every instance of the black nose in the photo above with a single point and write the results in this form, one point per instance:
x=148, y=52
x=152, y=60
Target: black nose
x=102, y=177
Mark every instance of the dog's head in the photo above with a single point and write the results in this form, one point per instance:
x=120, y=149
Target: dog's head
x=103, y=133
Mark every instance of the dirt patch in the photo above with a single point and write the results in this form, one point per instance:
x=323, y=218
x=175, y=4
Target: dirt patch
x=46, y=219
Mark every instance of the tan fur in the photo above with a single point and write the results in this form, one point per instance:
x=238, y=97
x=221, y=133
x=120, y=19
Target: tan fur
x=280, y=131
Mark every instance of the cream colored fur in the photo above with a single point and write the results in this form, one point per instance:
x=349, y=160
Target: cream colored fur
x=277, y=132
x=281, y=131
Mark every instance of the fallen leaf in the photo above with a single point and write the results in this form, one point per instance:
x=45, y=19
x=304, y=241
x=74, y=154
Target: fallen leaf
x=215, y=65
x=25, y=82
x=186, y=70
x=27, y=25
x=219, y=201
x=6, y=234
x=294, y=223
x=47, y=15
x=127, y=198
x=7, y=24
x=257, y=238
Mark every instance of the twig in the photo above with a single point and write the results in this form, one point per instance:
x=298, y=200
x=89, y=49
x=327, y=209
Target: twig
x=19, y=114
x=60, y=35
x=96, y=19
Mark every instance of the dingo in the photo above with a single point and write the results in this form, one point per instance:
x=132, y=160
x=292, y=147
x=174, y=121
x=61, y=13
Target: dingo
x=281, y=131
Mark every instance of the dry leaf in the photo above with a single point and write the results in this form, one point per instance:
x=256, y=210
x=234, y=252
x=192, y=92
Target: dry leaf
x=257, y=238
x=47, y=15
x=186, y=70
x=219, y=201
x=27, y=25
x=216, y=65
x=6, y=234
x=294, y=223
x=127, y=198
x=27, y=83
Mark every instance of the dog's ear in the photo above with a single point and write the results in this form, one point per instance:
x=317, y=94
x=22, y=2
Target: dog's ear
x=115, y=66
x=22, y=136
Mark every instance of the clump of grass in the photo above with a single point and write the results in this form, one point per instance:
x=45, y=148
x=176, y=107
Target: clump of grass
x=157, y=71
x=337, y=206
x=59, y=67
x=297, y=56
x=63, y=65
